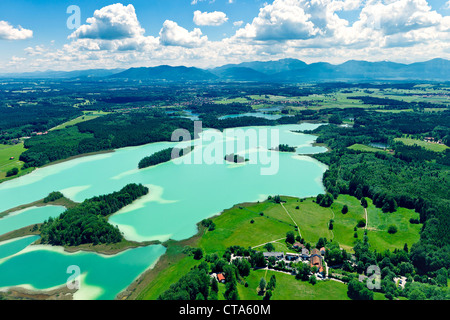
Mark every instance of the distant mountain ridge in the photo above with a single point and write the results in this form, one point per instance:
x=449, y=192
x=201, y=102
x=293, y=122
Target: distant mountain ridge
x=50, y=74
x=167, y=73
x=284, y=70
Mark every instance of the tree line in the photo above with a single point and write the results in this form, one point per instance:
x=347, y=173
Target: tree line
x=411, y=177
x=87, y=222
x=163, y=156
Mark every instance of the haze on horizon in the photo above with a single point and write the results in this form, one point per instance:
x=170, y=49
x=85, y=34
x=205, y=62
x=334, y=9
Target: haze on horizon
x=207, y=34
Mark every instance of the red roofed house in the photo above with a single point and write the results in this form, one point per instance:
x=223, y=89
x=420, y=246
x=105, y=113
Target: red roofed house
x=316, y=259
x=221, y=278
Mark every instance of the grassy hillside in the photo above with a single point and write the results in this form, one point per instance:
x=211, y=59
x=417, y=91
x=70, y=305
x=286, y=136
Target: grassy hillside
x=270, y=223
x=427, y=145
x=6, y=152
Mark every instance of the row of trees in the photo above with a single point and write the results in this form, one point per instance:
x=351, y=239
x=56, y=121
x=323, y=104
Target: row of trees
x=163, y=156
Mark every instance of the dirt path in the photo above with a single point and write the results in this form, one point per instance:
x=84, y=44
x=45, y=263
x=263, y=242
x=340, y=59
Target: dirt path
x=367, y=218
x=263, y=244
x=333, y=216
x=298, y=229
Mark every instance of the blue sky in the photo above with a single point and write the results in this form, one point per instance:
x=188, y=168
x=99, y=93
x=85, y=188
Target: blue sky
x=34, y=35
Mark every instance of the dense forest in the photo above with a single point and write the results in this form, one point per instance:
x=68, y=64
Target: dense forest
x=87, y=222
x=394, y=104
x=20, y=121
x=104, y=133
x=410, y=176
x=131, y=129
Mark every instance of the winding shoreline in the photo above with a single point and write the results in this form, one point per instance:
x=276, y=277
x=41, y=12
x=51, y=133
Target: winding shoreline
x=136, y=287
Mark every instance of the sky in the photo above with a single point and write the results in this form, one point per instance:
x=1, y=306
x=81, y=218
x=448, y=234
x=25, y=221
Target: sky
x=69, y=35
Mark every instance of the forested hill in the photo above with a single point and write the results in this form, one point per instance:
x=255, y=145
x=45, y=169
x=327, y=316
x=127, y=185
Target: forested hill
x=408, y=176
x=104, y=133
x=87, y=222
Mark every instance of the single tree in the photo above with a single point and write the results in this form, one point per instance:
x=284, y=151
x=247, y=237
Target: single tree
x=344, y=209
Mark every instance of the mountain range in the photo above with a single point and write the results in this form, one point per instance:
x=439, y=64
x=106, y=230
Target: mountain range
x=285, y=70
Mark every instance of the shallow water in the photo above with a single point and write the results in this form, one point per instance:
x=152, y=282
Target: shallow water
x=180, y=196
x=29, y=216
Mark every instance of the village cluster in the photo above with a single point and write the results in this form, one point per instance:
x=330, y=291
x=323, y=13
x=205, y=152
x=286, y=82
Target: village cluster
x=274, y=259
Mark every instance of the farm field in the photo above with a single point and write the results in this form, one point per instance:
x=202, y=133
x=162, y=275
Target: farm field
x=88, y=115
x=364, y=148
x=270, y=224
x=6, y=152
x=287, y=288
x=427, y=145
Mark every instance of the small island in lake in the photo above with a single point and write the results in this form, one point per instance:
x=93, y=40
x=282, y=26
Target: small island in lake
x=284, y=148
x=87, y=223
x=162, y=156
x=235, y=158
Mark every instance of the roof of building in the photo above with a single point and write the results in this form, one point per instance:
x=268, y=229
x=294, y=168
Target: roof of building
x=316, y=261
x=273, y=254
x=220, y=277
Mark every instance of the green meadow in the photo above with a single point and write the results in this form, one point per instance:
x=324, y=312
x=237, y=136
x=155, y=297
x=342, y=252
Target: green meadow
x=88, y=115
x=8, y=151
x=254, y=224
x=364, y=148
x=287, y=288
x=427, y=145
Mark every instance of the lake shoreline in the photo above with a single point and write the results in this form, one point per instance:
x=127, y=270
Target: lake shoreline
x=133, y=291
x=64, y=202
x=152, y=271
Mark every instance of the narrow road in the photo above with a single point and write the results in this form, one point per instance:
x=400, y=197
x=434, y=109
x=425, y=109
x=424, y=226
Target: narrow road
x=367, y=218
x=298, y=229
x=259, y=245
x=333, y=216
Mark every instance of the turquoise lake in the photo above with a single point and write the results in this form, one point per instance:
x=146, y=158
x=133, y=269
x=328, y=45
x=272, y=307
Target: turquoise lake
x=180, y=196
x=26, y=217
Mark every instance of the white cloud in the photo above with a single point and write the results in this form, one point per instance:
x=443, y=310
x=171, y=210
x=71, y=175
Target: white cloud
x=447, y=5
x=399, y=16
x=34, y=51
x=194, y=2
x=215, y=18
x=347, y=5
x=310, y=30
x=282, y=20
x=111, y=22
x=8, y=32
x=296, y=20
x=315, y=24
x=172, y=34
